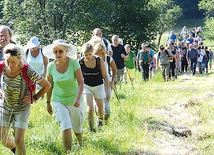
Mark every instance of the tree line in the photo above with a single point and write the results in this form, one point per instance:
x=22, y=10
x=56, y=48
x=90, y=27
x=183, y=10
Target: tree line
x=73, y=20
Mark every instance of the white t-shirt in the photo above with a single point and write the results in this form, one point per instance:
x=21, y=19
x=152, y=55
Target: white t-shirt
x=201, y=55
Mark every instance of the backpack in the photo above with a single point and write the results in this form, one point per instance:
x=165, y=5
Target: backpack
x=167, y=53
x=141, y=58
x=31, y=84
x=108, y=62
x=106, y=43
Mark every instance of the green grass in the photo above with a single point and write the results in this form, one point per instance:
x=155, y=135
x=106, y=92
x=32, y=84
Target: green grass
x=139, y=121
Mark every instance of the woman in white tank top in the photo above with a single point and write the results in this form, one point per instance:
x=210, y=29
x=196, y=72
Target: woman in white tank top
x=35, y=57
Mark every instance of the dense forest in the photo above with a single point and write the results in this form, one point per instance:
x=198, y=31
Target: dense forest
x=135, y=21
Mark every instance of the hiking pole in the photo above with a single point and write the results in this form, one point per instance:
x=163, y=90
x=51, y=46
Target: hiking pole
x=130, y=78
x=116, y=95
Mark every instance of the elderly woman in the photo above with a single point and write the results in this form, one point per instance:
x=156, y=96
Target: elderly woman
x=66, y=78
x=111, y=68
x=94, y=72
x=15, y=98
x=35, y=57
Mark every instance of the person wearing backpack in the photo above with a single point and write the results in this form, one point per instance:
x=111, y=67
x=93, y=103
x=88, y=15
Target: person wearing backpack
x=163, y=58
x=111, y=68
x=95, y=82
x=144, y=57
x=36, y=58
x=15, y=97
x=98, y=32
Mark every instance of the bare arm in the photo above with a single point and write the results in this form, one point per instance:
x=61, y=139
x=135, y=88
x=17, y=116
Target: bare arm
x=45, y=59
x=49, y=94
x=105, y=77
x=114, y=73
x=80, y=81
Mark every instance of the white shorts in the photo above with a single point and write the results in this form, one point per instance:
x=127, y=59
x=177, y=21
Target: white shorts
x=69, y=116
x=97, y=91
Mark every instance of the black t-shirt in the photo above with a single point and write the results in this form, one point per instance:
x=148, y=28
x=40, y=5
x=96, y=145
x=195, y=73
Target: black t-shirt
x=92, y=76
x=117, y=51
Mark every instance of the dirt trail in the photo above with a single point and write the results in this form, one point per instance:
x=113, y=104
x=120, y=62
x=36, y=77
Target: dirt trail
x=178, y=116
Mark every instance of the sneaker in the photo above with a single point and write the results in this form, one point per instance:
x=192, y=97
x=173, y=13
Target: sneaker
x=100, y=122
x=92, y=130
x=13, y=150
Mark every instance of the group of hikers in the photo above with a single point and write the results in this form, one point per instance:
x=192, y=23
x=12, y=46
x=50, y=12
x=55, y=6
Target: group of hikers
x=70, y=84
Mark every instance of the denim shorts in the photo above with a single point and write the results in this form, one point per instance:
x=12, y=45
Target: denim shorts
x=16, y=117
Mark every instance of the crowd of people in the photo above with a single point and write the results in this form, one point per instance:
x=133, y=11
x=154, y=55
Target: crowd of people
x=72, y=84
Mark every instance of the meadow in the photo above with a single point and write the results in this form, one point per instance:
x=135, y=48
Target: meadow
x=141, y=122
x=148, y=119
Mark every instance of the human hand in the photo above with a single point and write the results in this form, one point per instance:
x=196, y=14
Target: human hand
x=76, y=103
x=107, y=95
x=49, y=108
x=27, y=99
x=122, y=55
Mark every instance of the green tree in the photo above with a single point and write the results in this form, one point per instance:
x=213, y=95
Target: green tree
x=51, y=19
x=168, y=14
x=209, y=9
x=135, y=21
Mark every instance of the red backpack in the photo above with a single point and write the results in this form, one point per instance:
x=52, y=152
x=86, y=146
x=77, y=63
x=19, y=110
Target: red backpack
x=31, y=84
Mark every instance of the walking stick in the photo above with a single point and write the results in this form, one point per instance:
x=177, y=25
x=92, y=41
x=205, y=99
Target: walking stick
x=116, y=95
x=130, y=78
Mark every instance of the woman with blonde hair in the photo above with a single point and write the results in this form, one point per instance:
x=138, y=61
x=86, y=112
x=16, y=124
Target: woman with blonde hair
x=111, y=68
x=65, y=75
x=94, y=72
x=15, y=98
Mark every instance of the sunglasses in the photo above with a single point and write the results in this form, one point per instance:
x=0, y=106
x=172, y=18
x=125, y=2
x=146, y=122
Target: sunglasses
x=58, y=51
x=11, y=52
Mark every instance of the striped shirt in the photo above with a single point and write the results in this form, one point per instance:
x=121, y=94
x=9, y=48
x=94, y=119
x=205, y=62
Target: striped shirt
x=16, y=88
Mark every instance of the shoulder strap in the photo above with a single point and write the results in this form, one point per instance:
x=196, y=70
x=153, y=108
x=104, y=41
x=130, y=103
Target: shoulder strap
x=26, y=53
x=81, y=61
x=32, y=87
x=167, y=53
x=24, y=73
x=1, y=66
x=105, y=42
x=98, y=61
x=108, y=60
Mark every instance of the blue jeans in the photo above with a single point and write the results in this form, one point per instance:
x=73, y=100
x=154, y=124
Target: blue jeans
x=193, y=65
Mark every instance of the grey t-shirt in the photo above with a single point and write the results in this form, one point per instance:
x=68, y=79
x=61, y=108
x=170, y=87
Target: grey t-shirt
x=162, y=57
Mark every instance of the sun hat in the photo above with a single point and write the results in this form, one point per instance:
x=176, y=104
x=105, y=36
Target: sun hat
x=48, y=50
x=144, y=45
x=34, y=42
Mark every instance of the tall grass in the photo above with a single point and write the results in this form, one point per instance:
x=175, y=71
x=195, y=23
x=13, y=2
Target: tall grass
x=136, y=120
